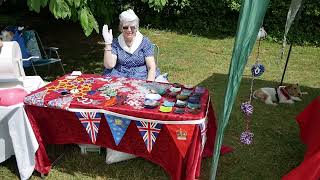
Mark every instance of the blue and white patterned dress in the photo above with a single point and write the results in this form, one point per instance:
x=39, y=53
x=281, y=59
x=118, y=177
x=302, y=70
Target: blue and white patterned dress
x=131, y=65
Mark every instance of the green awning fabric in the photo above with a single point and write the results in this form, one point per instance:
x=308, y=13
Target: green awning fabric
x=250, y=20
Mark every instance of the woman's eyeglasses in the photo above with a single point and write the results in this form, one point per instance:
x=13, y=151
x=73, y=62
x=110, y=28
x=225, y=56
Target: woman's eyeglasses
x=127, y=27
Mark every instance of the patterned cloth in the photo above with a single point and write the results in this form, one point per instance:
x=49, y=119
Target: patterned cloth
x=131, y=65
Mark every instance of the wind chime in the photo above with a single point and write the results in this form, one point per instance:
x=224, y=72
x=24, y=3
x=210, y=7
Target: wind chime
x=257, y=70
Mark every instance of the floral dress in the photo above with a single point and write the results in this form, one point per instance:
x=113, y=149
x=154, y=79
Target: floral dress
x=131, y=65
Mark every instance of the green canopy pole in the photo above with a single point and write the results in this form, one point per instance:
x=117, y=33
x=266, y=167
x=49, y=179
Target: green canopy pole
x=250, y=20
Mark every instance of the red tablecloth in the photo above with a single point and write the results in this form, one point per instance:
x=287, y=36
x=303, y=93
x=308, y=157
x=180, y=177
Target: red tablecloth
x=309, y=123
x=60, y=126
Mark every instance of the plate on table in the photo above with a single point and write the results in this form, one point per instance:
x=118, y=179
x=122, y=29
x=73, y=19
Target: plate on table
x=193, y=106
x=194, y=111
x=179, y=111
x=150, y=104
x=182, y=97
x=161, y=91
x=186, y=92
x=175, y=89
x=181, y=104
x=168, y=103
x=155, y=97
x=165, y=109
x=194, y=99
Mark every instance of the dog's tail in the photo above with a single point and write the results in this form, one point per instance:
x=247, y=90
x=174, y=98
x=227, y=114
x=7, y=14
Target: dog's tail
x=258, y=94
x=254, y=94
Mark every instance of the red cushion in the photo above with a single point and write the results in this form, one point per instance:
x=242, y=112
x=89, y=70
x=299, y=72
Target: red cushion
x=12, y=96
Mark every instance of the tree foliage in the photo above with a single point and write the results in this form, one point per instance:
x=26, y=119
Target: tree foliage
x=204, y=17
x=87, y=12
x=77, y=10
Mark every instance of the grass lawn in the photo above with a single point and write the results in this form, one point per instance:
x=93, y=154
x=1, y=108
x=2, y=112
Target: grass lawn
x=204, y=62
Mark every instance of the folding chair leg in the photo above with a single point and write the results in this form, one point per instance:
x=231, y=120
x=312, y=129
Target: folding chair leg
x=62, y=68
x=48, y=69
x=34, y=69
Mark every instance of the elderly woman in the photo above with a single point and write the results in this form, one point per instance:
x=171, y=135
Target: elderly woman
x=131, y=54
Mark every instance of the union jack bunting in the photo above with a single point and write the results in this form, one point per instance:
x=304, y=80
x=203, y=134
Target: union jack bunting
x=149, y=132
x=203, y=130
x=91, y=121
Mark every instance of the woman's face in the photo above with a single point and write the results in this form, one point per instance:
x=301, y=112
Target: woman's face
x=129, y=31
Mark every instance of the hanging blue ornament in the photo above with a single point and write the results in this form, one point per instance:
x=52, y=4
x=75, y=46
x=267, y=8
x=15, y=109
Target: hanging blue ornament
x=246, y=108
x=257, y=70
x=246, y=137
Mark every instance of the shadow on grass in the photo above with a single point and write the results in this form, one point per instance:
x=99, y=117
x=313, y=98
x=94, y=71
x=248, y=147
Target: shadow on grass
x=93, y=165
x=276, y=148
x=11, y=171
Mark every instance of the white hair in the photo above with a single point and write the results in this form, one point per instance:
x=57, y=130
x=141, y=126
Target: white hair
x=129, y=16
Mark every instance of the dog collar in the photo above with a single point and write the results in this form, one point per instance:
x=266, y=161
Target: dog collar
x=285, y=92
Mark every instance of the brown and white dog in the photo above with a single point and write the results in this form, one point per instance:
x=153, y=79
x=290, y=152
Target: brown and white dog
x=282, y=94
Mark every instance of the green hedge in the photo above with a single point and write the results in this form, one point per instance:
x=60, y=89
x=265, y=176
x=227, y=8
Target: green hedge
x=212, y=18
x=202, y=17
x=218, y=18
x=305, y=30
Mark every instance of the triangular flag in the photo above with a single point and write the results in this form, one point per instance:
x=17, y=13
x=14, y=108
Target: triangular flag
x=91, y=121
x=181, y=134
x=149, y=132
x=118, y=126
x=203, y=131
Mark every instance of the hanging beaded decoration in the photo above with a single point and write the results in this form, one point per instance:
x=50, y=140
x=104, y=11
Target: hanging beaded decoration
x=257, y=70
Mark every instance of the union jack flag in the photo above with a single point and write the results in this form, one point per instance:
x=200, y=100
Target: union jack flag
x=203, y=131
x=149, y=132
x=91, y=121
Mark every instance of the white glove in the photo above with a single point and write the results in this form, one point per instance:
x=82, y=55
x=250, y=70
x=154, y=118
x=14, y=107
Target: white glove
x=107, y=34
